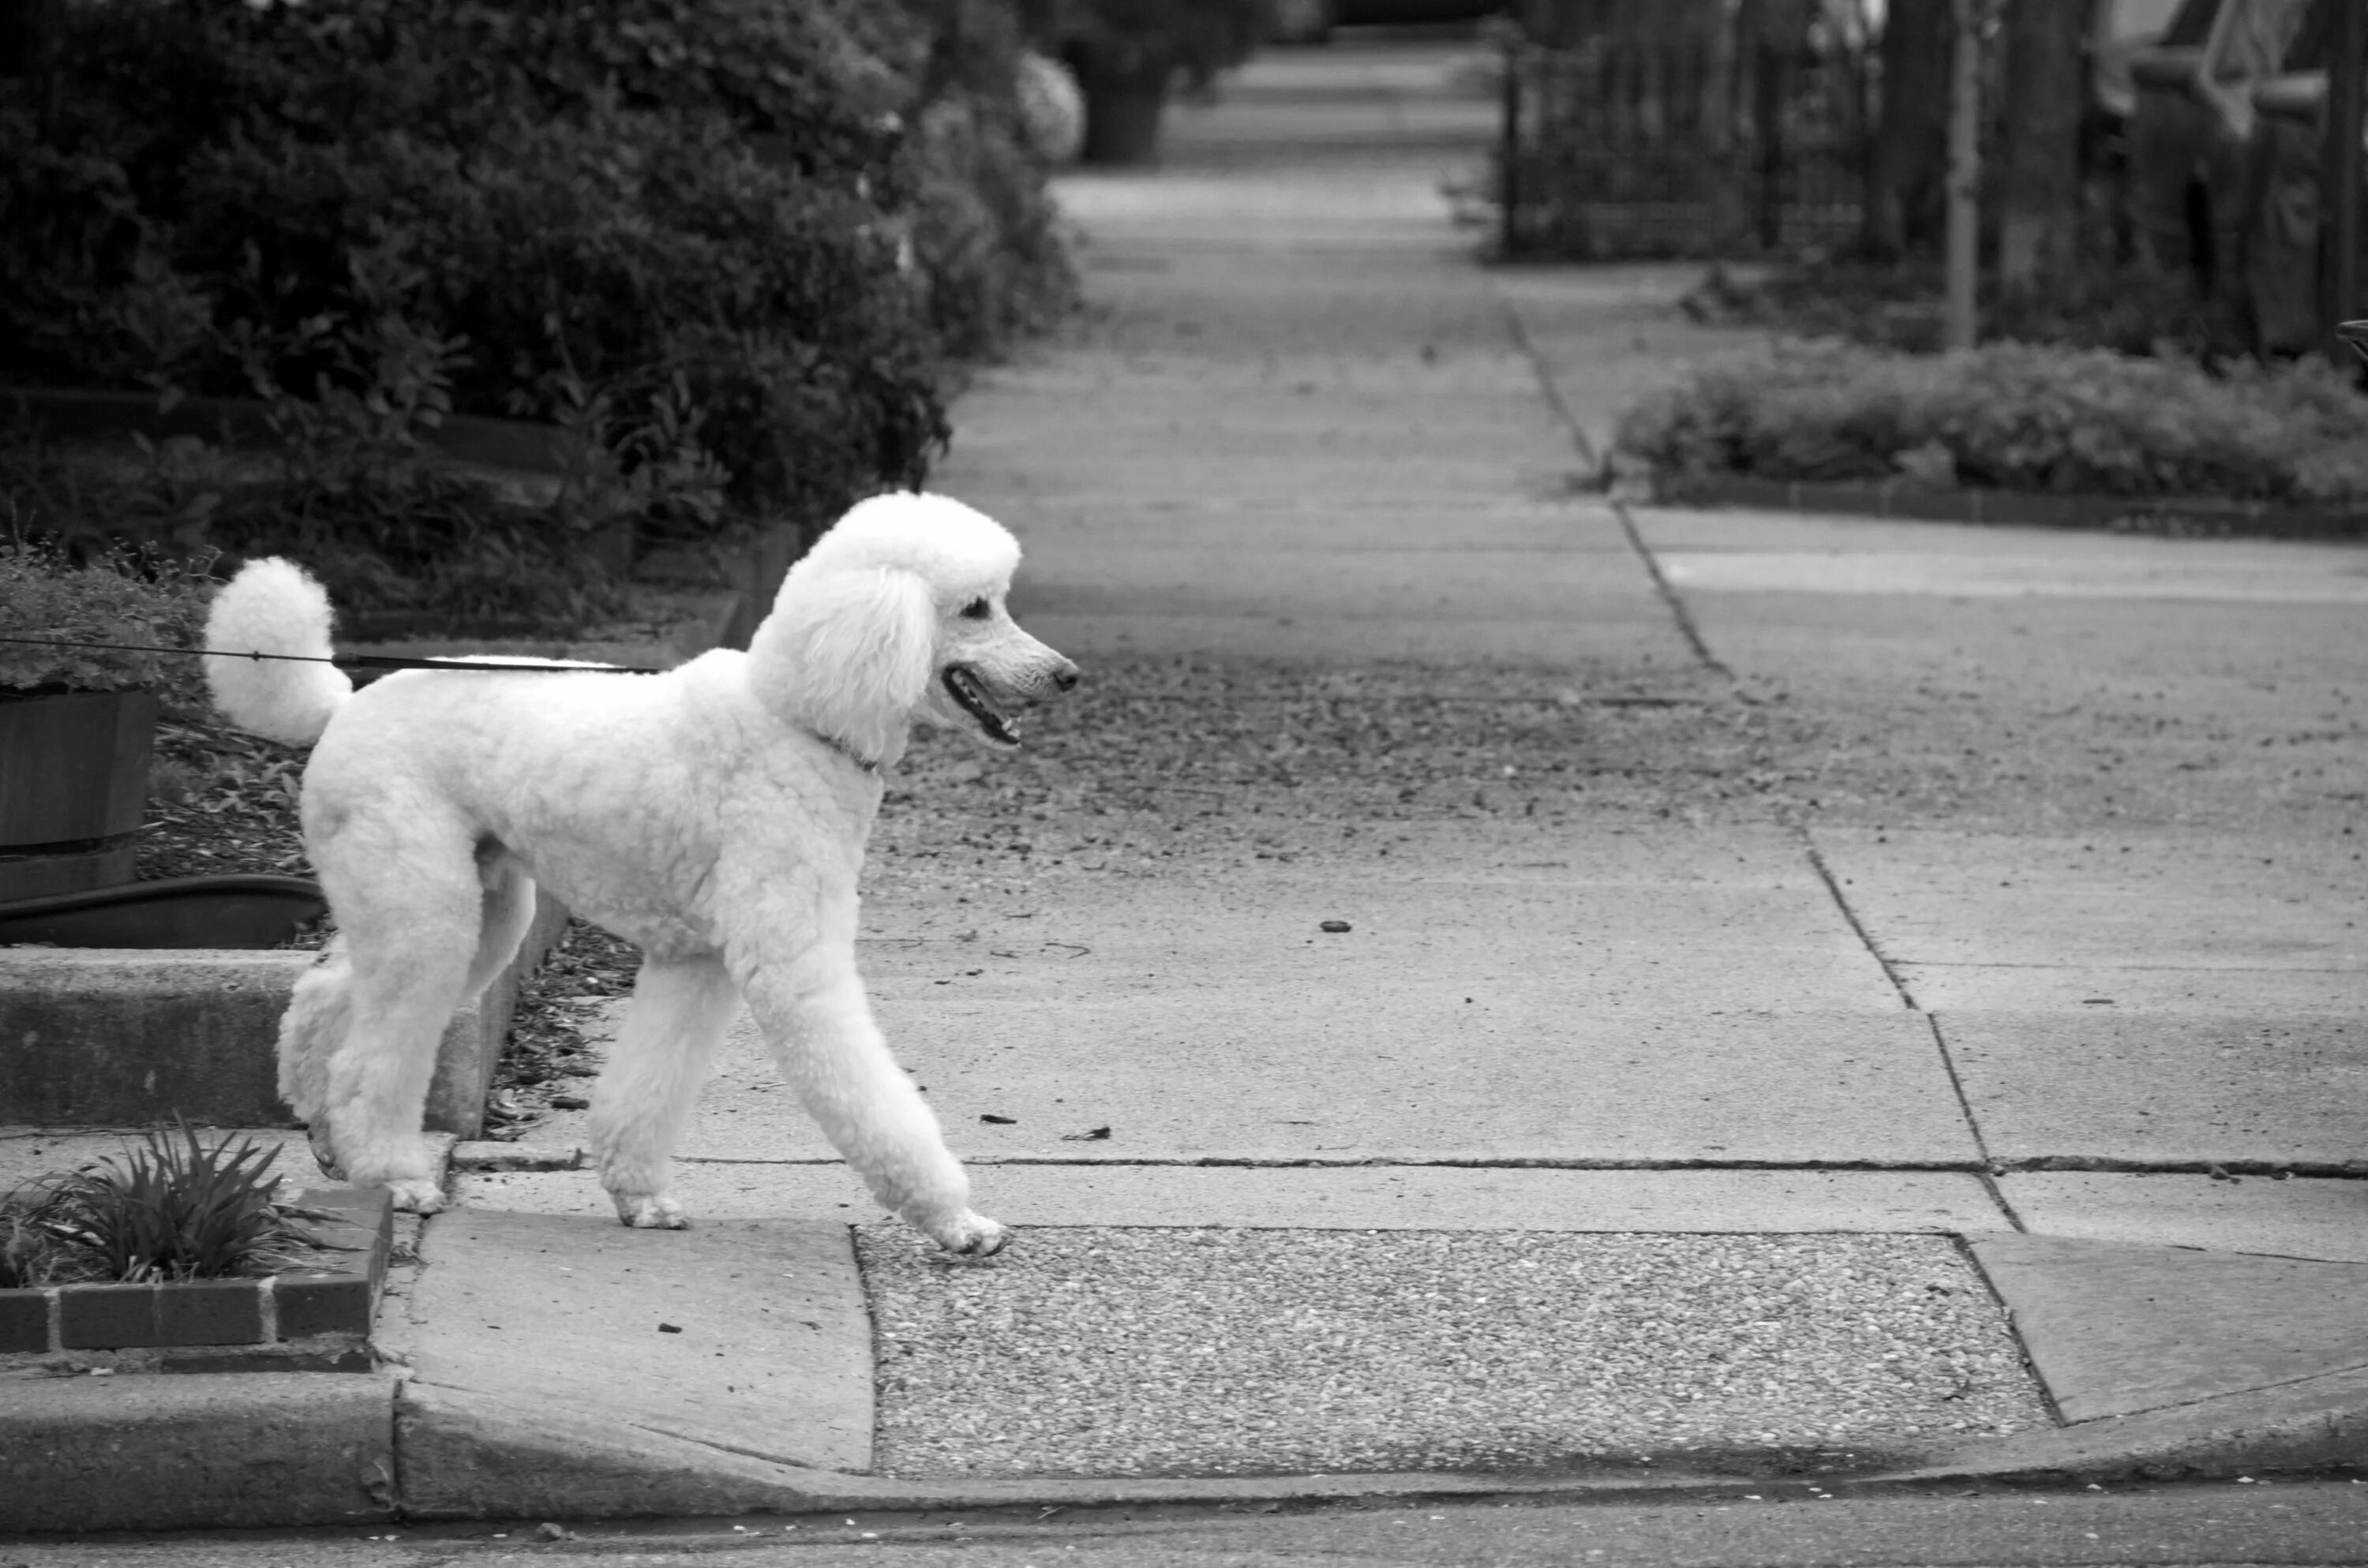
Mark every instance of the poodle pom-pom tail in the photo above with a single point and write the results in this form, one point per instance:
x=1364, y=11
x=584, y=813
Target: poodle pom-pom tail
x=274, y=607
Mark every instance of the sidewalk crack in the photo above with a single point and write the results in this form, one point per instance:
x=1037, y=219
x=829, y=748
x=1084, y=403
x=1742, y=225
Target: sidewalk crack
x=1594, y=463
x=1667, y=590
x=1908, y=1000
x=1519, y=331
x=1858, y=926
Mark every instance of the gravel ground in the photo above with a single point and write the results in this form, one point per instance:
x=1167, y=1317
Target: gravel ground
x=1207, y=1352
x=1163, y=766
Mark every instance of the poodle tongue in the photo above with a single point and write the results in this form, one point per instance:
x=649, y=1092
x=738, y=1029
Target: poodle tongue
x=971, y=697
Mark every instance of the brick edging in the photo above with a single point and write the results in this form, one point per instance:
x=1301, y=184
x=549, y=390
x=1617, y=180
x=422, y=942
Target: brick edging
x=1898, y=499
x=327, y=1311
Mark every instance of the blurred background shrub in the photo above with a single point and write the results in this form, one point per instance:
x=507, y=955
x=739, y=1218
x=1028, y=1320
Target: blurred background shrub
x=738, y=245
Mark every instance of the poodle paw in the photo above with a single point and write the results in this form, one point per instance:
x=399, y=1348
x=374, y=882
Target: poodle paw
x=416, y=1195
x=969, y=1235
x=325, y=1153
x=651, y=1212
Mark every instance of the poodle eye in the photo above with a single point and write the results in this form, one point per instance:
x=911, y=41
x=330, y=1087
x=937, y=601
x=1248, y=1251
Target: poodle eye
x=977, y=609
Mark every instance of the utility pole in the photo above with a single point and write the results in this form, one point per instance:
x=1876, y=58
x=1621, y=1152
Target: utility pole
x=1964, y=219
x=2338, y=236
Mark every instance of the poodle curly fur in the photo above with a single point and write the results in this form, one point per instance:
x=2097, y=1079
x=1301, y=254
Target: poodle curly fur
x=715, y=815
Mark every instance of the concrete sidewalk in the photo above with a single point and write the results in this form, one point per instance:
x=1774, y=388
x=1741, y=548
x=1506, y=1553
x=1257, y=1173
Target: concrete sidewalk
x=1824, y=1003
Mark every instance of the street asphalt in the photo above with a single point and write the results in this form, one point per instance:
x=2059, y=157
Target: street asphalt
x=1814, y=998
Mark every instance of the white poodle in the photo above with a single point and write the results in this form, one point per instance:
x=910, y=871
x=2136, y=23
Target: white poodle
x=715, y=815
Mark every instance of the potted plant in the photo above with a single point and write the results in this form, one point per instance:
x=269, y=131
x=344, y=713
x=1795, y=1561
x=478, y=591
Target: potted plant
x=78, y=723
x=1127, y=56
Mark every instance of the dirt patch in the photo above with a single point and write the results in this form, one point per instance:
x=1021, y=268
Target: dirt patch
x=549, y=1060
x=1168, y=760
x=1163, y=766
x=219, y=802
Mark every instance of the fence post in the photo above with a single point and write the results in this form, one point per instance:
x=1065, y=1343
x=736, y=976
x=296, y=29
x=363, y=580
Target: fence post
x=1964, y=184
x=1508, y=156
x=1769, y=91
x=2338, y=235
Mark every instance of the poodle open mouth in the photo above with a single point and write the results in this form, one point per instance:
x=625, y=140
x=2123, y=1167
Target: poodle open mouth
x=971, y=696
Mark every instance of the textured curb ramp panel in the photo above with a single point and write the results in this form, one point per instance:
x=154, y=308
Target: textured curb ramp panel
x=255, y=1448
x=1203, y=1352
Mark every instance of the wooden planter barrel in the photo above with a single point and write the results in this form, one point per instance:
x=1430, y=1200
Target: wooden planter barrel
x=73, y=787
x=1125, y=113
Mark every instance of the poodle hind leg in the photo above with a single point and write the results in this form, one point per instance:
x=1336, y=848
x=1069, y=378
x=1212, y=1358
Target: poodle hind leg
x=412, y=929
x=642, y=1101
x=310, y=1032
x=507, y=910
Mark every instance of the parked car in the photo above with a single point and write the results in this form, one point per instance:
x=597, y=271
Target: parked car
x=2190, y=126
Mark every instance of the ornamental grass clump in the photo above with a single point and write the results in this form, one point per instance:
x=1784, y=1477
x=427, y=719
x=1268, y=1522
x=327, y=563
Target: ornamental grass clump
x=2009, y=416
x=175, y=1208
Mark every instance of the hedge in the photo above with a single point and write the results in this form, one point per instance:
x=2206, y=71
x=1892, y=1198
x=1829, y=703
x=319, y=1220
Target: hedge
x=733, y=240
x=2007, y=416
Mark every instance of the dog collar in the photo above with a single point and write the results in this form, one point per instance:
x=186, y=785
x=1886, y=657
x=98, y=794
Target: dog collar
x=869, y=764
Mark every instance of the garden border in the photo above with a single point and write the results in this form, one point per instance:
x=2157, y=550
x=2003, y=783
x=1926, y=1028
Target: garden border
x=309, y=1320
x=2180, y=516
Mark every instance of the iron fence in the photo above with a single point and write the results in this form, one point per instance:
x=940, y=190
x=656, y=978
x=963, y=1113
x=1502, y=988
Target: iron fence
x=1629, y=147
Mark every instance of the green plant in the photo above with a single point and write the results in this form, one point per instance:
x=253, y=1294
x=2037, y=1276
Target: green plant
x=733, y=227
x=32, y=1249
x=118, y=596
x=351, y=485
x=175, y=1208
x=2010, y=416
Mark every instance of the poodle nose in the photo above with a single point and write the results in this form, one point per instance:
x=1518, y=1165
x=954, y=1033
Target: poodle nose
x=1066, y=677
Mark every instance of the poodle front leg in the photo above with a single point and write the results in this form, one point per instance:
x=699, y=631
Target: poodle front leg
x=673, y=1028
x=832, y=1054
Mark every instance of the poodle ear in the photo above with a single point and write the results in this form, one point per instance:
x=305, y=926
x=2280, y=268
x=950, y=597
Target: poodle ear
x=849, y=654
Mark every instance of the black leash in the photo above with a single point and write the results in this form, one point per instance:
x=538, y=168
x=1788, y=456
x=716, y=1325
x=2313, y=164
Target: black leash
x=401, y=661
x=348, y=661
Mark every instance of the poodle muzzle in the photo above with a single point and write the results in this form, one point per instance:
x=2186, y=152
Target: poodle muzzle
x=990, y=705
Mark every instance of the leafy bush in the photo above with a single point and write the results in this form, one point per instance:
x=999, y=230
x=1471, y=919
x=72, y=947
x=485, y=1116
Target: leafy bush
x=389, y=528
x=2010, y=416
x=2131, y=309
x=118, y=597
x=747, y=234
x=175, y=1208
x=994, y=263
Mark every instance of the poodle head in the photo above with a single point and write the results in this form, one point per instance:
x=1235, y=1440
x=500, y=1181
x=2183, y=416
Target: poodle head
x=897, y=613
